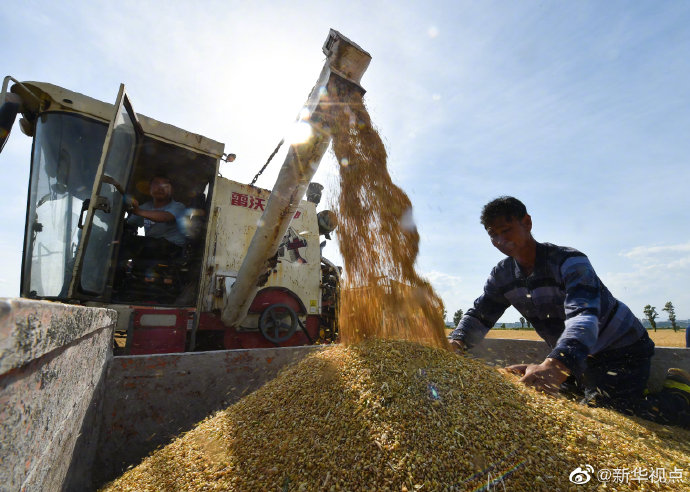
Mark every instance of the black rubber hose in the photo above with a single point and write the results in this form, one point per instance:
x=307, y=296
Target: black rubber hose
x=8, y=113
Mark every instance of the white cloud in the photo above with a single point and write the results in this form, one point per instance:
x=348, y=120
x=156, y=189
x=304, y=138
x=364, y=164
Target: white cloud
x=444, y=279
x=655, y=274
x=651, y=253
x=451, y=288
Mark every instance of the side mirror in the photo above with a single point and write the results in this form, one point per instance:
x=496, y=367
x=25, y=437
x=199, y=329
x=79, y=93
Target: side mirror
x=328, y=222
x=8, y=113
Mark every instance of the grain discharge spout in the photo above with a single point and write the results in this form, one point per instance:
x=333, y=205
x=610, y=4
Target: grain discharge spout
x=345, y=64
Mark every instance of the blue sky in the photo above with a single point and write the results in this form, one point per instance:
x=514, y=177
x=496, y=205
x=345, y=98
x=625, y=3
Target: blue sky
x=580, y=109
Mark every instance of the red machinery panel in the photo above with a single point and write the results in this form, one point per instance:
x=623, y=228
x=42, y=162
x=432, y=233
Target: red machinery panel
x=159, y=331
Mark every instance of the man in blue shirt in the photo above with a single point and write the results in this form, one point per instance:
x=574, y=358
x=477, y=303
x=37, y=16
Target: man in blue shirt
x=160, y=219
x=596, y=342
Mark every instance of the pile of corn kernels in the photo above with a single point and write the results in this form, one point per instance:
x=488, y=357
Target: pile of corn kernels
x=396, y=415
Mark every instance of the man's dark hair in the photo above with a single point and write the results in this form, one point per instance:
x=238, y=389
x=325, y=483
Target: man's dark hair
x=506, y=207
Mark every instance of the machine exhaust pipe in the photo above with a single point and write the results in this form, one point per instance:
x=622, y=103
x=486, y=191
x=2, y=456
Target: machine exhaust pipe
x=344, y=61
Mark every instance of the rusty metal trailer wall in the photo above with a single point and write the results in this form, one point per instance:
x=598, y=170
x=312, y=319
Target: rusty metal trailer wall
x=151, y=399
x=72, y=416
x=52, y=363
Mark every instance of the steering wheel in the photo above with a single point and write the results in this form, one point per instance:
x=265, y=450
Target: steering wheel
x=278, y=322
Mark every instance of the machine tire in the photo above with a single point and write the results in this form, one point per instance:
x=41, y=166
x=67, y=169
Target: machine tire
x=273, y=321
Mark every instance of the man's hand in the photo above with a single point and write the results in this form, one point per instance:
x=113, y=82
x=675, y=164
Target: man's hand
x=132, y=204
x=110, y=180
x=458, y=346
x=546, y=377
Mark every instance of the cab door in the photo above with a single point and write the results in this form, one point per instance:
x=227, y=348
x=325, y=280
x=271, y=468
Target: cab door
x=101, y=215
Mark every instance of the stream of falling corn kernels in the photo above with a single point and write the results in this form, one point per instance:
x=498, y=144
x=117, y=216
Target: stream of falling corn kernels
x=382, y=295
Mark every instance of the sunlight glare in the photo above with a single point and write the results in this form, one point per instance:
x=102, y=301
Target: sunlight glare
x=299, y=132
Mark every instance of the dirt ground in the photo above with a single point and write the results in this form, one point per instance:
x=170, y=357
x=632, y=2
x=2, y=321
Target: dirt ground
x=662, y=338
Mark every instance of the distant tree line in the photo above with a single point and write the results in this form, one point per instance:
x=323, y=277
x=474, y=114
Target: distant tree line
x=650, y=313
x=457, y=316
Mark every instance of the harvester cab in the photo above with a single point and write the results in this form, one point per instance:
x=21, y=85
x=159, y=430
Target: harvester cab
x=248, y=271
x=90, y=162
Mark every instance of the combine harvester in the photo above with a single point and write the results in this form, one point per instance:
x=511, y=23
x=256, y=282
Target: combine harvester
x=247, y=294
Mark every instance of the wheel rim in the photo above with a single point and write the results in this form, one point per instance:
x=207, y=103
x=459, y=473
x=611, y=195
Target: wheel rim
x=278, y=323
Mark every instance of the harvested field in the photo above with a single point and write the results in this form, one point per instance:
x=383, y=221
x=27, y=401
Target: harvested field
x=662, y=338
x=395, y=415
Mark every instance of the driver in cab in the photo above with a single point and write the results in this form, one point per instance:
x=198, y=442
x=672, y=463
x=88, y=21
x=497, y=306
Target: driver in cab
x=160, y=218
